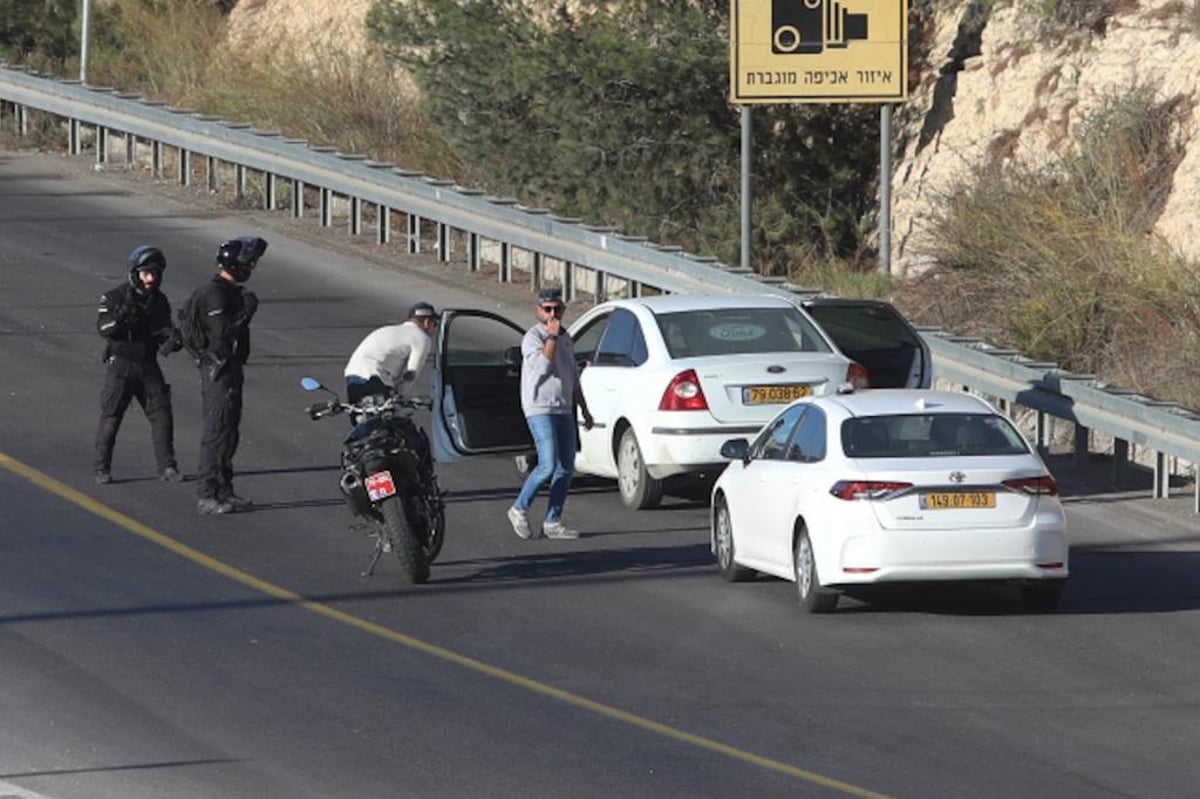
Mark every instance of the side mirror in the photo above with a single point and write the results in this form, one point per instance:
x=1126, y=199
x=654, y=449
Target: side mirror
x=736, y=449
x=313, y=384
x=512, y=357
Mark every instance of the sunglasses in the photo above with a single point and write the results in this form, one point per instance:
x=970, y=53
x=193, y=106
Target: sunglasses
x=557, y=310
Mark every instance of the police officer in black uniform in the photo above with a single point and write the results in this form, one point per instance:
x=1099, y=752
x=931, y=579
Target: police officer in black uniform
x=224, y=309
x=135, y=319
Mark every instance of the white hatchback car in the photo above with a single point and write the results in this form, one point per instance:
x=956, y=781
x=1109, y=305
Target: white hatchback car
x=668, y=378
x=887, y=486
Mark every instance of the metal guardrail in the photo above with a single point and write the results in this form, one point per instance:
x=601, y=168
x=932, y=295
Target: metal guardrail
x=602, y=254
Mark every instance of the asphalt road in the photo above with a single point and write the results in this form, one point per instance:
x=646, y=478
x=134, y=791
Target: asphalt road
x=146, y=651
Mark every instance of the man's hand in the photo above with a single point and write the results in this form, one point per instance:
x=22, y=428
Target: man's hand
x=588, y=421
x=172, y=340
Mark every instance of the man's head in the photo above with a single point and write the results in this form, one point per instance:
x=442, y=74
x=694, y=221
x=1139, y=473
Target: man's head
x=425, y=316
x=238, y=257
x=550, y=304
x=146, y=265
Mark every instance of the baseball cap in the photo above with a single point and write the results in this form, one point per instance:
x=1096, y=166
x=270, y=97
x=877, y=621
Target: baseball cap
x=550, y=297
x=422, y=310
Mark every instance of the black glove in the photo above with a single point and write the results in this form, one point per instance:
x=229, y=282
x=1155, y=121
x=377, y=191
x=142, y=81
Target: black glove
x=171, y=340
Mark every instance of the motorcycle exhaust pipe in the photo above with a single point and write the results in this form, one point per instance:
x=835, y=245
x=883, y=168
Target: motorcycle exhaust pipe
x=355, y=492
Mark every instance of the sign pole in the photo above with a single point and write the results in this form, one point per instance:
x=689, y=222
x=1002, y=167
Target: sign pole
x=747, y=153
x=885, y=189
x=83, y=45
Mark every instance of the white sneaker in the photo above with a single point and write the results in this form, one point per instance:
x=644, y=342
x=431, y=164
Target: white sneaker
x=519, y=520
x=558, y=530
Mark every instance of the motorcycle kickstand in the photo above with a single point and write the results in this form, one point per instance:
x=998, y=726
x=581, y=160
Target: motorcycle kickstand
x=374, y=559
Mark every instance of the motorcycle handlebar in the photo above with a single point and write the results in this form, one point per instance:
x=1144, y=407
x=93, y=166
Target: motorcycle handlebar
x=322, y=409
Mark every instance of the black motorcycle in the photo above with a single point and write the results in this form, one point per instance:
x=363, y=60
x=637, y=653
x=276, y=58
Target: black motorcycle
x=388, y=478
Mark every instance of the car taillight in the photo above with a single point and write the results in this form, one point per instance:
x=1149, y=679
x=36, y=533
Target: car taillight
x=1038, y=486
x=858, y=376
x=684, y=393
x=867, y=489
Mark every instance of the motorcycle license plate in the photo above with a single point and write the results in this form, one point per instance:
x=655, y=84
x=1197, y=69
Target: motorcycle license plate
x=380, y=486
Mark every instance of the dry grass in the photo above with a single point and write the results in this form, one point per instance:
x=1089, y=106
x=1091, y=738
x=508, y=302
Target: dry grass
x=315, y=90
x=1062, y=263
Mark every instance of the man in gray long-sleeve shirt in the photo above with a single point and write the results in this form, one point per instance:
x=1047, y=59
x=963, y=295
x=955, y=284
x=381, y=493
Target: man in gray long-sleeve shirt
x=549, y=394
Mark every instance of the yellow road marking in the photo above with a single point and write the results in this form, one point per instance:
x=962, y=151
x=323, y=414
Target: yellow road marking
x=270, y=589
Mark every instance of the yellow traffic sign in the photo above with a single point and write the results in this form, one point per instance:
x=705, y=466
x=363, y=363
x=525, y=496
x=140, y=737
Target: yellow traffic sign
x=819, y=51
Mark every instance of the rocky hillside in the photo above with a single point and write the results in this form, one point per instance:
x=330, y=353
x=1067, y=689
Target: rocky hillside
x=993, y=90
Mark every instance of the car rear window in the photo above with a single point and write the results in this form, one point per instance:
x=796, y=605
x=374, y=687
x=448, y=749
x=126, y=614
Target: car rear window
x=930, y=436
x=730, y=331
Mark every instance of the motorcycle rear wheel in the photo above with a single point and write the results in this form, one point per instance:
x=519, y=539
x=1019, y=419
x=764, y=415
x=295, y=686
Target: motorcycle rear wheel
x=408, y=550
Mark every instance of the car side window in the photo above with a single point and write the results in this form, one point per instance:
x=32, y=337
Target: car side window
x=772, y=442
x=808, y=441
x=588, y=338
x=622, y=343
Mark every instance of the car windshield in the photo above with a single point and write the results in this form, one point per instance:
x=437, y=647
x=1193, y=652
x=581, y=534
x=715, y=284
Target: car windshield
x=930, y=436
x=732, y=331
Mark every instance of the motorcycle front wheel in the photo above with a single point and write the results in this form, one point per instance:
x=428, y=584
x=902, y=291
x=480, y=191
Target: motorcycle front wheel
x=437, y=532
x=408, y=550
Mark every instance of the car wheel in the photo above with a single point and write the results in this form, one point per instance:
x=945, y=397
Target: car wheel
x=638, y=489
x=1043, y=596
x=814, y=597
x=724, y=547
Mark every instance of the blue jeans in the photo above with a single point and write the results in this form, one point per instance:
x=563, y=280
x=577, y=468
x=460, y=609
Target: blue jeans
x=554, y=436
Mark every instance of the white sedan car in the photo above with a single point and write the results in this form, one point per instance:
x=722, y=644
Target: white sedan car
x=887, y=486
x=668, y=379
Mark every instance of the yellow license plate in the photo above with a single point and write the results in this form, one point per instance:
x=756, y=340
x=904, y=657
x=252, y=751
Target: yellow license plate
x=769, y=395
x=950, y=500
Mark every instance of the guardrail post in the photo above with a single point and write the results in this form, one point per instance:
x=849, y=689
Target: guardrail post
x=535, y=271
x=1042, y=433
x=270, y=191
x=130, y=150
x=414, y=234
x=156, y=158
x=1162, y=476
x=601, y=291
x=101, y=144
x=505, y=271
x=1079, y=453
x=355, y=216
x=443, y=242
x=568, y=280
x=239, y=181
x=474, y=252
x=326, y=208
x=1120, y=461
x=73, y=144
x=212, y=177
x=185, y=167
x=297, y=199
x=384, y=225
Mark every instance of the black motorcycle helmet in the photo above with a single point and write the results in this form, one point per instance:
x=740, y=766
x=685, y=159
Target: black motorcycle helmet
x=146, y=258
x=239, y=256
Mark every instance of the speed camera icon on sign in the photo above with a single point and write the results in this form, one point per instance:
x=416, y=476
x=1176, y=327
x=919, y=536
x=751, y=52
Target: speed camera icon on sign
x=807, y=27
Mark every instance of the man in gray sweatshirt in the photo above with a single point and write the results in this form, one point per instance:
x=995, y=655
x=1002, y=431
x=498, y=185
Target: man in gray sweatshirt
x=549, y=395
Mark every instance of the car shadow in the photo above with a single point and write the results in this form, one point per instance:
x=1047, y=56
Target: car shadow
x=633, y=561
x=1103, y=581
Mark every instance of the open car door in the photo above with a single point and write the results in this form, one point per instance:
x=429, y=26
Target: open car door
x=477, y=387
x=878, y=336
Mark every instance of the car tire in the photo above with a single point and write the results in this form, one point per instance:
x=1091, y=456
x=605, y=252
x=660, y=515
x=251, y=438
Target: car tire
x=814, y=597
x=723, y=546
x=639, y=490
x=1043, y=596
